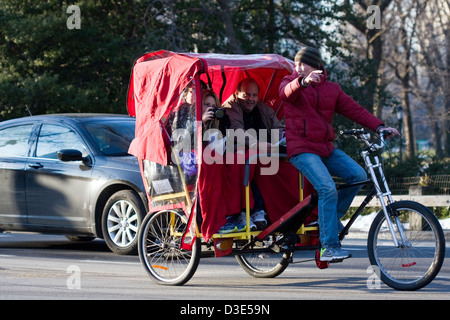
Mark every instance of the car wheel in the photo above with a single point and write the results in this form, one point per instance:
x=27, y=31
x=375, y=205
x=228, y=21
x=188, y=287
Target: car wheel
x=121, y=218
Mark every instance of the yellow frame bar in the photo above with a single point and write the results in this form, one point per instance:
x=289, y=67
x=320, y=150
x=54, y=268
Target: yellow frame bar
x=169, y=196
x=237, y=235
x=248, y=233
x=247, y=210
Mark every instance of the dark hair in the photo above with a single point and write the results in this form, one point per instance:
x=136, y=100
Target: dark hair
x=246, y=80
x=209, y=92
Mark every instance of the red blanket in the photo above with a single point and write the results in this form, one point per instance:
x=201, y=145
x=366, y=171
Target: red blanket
x=222, y=192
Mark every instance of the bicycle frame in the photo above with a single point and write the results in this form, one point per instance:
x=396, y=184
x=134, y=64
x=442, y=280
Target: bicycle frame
x=267, y=253
x=358, y=211
x=260, y=235
x=373, y=180
x=377, y=190
x=170, y=241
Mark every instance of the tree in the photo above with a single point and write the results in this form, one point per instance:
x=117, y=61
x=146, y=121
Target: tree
x=417, y=57
x=402, y=33
x=407, y=56
x=356, y=14
x=430, y=74
x=46, y=67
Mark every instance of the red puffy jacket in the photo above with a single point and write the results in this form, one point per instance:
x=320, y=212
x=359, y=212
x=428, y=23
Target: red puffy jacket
x=309, y=114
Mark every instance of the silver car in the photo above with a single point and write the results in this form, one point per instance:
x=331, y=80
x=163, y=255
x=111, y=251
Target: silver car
x=71, y=174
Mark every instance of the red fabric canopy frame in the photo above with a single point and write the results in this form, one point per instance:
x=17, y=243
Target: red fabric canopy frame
x=158, y=78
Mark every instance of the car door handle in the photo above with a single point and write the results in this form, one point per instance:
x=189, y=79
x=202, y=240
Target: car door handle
x=36, y=165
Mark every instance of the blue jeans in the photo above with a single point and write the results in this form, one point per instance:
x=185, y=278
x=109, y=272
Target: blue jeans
x=332, y=204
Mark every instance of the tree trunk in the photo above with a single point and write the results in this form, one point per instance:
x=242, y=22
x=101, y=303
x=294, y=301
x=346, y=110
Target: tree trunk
x=406, y=90
x=376, y=56
x=229, y=28
x=408, y=128
x=271, y=26
x=446, y=120
x=374, y=52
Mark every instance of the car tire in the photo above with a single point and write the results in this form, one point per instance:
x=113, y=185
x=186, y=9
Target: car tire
x=121, y=218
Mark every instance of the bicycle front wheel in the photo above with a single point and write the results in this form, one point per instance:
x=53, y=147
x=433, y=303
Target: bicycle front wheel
x=416, y=261
x=160, y=248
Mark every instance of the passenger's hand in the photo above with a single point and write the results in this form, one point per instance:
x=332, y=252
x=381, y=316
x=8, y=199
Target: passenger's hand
x=208, y=115
x=314, y=77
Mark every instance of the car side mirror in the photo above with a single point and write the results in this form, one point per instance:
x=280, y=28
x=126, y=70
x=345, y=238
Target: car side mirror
x=72, y=155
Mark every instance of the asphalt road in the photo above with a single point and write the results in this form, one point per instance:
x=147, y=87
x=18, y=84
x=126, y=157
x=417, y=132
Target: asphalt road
x=51, y=267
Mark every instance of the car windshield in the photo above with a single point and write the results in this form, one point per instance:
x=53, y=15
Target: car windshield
x=112, y=137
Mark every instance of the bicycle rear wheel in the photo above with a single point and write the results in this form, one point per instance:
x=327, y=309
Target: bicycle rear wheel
x=417, y=260
x=160, y=248
x=262, y=262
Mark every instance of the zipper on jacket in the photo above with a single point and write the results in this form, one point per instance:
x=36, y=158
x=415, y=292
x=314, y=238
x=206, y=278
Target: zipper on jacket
x=304, y=128
x=320, y=115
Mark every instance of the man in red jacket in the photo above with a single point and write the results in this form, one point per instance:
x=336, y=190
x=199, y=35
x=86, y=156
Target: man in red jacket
x=311, y=104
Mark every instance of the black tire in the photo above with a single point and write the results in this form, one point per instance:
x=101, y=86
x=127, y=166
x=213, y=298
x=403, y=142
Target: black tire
x=160, y=248
x=263, y=262
x=121, y=218
x=413, y=264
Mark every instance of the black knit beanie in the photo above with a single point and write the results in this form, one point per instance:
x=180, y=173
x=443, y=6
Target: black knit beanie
x=310, y=56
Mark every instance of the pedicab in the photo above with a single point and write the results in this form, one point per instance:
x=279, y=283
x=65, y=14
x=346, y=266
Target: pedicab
x=190, y=195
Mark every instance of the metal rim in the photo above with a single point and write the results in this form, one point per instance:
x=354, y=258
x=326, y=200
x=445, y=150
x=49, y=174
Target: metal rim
x=122, y=223
x=160, y=248
x=407, y=272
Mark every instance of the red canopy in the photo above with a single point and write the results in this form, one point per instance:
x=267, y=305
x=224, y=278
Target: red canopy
x=158, y=79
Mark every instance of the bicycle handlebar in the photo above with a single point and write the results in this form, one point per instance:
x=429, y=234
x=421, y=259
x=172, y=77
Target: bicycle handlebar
x=354, y=132
x=364, y=135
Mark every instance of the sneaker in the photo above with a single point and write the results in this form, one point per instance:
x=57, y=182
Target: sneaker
x=227, y=228
x=259, y=219
x=237, y=221
x=333, y=254
x=242, y=220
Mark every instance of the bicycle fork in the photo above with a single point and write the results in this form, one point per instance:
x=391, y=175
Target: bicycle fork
x=380, y=195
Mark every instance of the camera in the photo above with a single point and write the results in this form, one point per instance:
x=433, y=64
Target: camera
x=219, y=112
